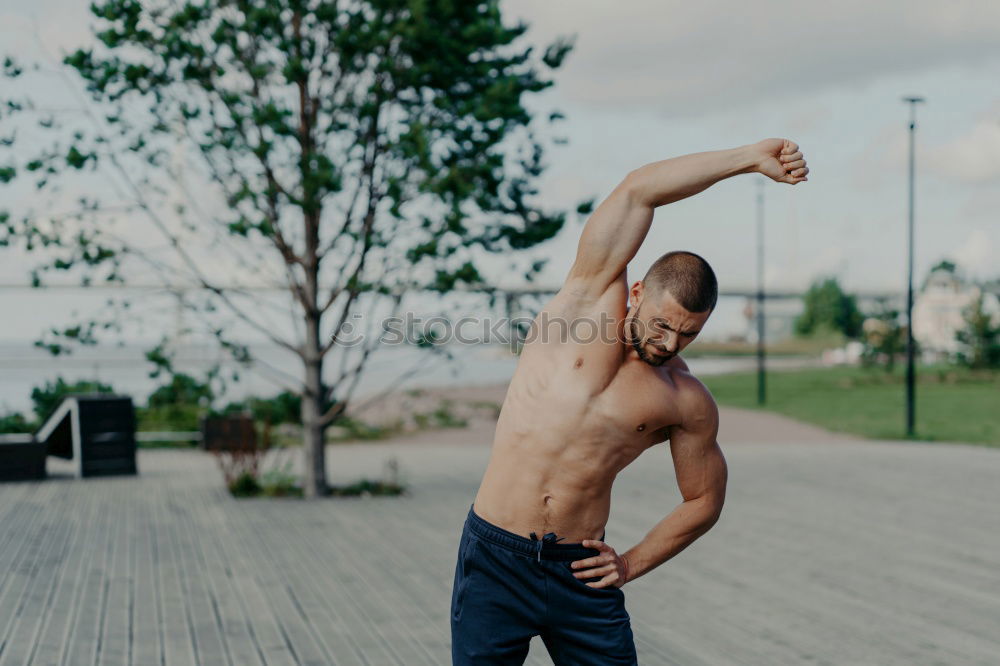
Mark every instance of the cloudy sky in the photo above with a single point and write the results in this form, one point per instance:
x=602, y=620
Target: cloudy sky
x=651, y=79
x=654, y=79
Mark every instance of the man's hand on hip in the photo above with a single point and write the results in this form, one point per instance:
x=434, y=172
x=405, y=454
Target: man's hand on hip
x=609, y=564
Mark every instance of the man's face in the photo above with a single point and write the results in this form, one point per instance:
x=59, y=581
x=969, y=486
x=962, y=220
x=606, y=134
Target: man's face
x=660, y=327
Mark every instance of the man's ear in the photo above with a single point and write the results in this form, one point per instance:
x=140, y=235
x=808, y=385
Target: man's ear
x=635, y=294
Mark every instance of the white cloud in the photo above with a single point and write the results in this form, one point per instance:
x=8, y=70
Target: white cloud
x=687, y=58
x=977, y=255
x=973, y=157
x=881, y=161
x=45, y=28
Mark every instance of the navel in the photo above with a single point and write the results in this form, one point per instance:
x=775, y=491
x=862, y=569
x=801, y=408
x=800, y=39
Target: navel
x=641, y=427
x=579, y=363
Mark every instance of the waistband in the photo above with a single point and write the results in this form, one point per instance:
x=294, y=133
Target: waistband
x=545, y=548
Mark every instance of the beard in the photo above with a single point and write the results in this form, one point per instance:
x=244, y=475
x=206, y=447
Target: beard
x=640, y=346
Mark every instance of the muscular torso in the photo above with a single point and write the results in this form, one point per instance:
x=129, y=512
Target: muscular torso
x=576, y=413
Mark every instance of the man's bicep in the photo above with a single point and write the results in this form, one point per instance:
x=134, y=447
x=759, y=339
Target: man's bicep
x=700, y=468
x=699, y=464
x=610, y=239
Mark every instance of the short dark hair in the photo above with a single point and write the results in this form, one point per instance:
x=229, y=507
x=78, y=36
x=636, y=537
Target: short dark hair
x=688, y=278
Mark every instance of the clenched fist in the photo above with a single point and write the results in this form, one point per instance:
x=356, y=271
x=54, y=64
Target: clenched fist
x=780, y=160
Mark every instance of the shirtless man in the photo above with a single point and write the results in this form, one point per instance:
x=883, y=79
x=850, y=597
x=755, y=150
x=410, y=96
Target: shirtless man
x=579, y=409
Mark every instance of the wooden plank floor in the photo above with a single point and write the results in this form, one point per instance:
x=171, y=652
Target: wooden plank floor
x=828, y=553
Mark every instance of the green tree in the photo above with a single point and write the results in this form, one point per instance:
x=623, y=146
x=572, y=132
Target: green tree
x=884, y=337
x=46, y=398
x=943, y=266
x=182, y=389
x=179, y=404
x=358, y=150
x=285, y=407
x=980, y=337
x=15, y=422
x=829, y=308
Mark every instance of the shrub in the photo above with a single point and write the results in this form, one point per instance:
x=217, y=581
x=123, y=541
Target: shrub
x=241, y=460
x=281, y=482
x=245, y=484
x=389, y=485
x=169, y=417
x=980, y=337
x=369, y=487
x=884, y=338
x=15, y=422
x=181, y=390
x=285, y=407
x=48, y=397
x=829, y=308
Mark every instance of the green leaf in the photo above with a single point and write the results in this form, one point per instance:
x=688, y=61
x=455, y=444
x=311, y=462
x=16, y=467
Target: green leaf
x=76, y=159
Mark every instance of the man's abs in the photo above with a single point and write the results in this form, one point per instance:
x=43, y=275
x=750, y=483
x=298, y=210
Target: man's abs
x=525, y=491
x=573, y=418
x=554, y=460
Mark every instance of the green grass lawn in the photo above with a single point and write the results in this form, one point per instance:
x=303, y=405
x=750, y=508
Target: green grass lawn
x=953, y=404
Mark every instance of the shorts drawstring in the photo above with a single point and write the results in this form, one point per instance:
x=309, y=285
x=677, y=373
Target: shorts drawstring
x=548, y=538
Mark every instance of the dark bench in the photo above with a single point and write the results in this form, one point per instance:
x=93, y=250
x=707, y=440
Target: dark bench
x=234, y=432
x=96, y=431
x=21, y=458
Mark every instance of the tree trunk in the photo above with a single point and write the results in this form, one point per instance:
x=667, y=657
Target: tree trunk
x=312, y=410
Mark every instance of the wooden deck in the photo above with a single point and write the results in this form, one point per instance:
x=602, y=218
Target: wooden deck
x=828, y=553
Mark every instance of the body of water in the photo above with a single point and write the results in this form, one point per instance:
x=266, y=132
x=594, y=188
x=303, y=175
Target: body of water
x=23, y=367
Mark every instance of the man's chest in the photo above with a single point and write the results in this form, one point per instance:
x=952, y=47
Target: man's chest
x=637, y=407
x=559, y=389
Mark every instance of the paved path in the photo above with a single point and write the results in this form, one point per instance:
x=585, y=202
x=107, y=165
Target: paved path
x=829, y=552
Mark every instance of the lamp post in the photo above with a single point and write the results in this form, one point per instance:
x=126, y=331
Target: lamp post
x=761, y=375
x=910, y=369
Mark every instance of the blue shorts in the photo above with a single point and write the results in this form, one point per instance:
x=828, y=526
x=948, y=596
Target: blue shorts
x=509, y=588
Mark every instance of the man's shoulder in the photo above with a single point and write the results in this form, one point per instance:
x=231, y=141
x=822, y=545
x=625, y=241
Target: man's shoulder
x=697, y=406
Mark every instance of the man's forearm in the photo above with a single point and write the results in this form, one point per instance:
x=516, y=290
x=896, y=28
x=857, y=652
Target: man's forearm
x=671, y=535
x=667, y=181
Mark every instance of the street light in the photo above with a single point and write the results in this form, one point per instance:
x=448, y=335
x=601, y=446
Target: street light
x=761, y=374
x=910, y=369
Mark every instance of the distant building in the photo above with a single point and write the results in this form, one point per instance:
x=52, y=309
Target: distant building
x=993, y=288
x=779, y=319
x=939, y=309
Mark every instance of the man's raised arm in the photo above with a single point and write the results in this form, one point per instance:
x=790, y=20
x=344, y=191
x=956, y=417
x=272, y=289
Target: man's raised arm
x=617, y=228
